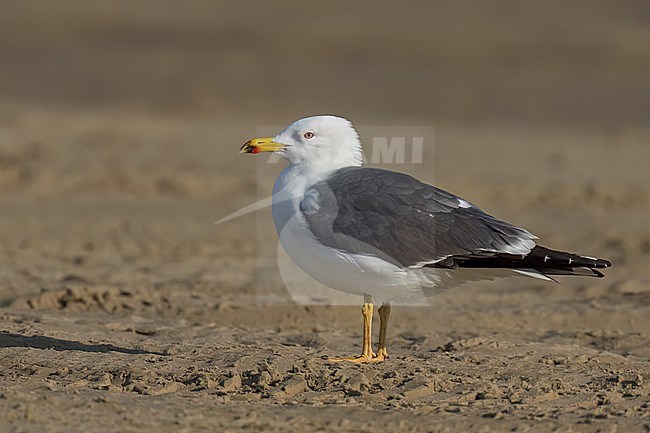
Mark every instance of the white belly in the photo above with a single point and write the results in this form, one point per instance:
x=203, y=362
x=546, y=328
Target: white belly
x=351, y=273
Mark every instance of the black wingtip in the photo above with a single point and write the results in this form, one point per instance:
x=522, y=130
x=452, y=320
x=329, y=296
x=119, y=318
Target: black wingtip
x=543, y=260
x=602, y=263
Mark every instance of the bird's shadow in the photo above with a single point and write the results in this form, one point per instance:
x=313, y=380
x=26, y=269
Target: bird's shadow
x=42, y=342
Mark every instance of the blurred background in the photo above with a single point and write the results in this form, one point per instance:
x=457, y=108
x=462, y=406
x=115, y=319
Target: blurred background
x=120, y=124
x=120, y=127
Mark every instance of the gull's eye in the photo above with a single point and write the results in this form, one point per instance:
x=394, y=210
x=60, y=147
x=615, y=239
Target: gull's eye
x=308, y=135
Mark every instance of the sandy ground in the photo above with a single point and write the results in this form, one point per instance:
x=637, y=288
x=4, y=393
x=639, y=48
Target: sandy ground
x=125, y=308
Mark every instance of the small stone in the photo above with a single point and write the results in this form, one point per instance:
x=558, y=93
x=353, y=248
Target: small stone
x=292, y=386
x=232, y=383
x=358, y=383
x=420, y=392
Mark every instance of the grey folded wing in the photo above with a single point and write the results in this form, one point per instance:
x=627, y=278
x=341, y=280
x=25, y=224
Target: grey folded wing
x=401, y=220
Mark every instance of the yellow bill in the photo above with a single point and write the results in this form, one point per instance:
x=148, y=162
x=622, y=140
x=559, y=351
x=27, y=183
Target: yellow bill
x=257, y=145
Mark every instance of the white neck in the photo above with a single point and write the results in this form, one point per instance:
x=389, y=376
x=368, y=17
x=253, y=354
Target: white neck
x=290, y=186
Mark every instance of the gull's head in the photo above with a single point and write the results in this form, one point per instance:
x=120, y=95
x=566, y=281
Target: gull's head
x=324, y=141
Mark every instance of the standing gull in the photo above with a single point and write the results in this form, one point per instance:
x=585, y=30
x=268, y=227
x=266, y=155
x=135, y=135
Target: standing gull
x=385, y=235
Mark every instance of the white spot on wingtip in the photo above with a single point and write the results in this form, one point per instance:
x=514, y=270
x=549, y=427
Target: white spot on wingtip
x=533, y=273
x=546, y=258
x=464, y=204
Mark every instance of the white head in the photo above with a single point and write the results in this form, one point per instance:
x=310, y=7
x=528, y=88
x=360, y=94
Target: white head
x=324, y=142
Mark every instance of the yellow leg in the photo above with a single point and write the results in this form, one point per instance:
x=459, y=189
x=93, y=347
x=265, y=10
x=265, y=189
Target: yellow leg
x=384, y=313
x=367, y=310
x=367, y=355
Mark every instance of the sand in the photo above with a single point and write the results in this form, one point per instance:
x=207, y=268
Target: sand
x=125, y=308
